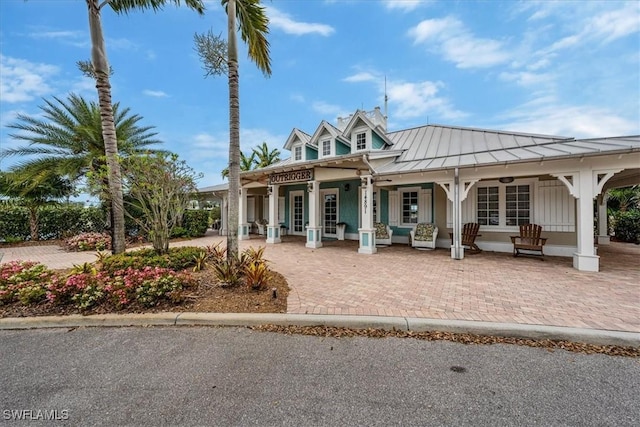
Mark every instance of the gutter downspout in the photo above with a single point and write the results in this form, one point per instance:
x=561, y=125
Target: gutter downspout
x=365, y=159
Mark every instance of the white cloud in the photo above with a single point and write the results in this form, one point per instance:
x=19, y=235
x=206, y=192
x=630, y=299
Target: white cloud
x=404, y=5
x=297, y=97
x=284, y=22
x=360, y=77
x=84, y=84
x=526, y=78
x=23, y=80
x=580, y=121
x=450, y=38
x=410, y=100
x=328, y=110
x=155, y=93
x=56, y=34
x=615, y=24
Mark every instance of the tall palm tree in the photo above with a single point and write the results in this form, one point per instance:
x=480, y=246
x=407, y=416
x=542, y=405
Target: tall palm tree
x=626, y=197
x=103, y=85
x=246, y=164
x=264, y=156
x=253, y=24
x=68, y=141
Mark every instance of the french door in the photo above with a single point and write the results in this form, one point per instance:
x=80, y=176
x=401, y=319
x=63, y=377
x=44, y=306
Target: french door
x=329, y=212
x=297, y=213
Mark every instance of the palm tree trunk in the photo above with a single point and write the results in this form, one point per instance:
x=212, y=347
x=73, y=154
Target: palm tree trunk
x=234, y=134
x=103, y=85
x=33, y=223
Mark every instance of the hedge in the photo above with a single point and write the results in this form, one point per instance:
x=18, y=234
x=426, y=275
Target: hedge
x=627, y=226
x=55, y=222
x=195, y=222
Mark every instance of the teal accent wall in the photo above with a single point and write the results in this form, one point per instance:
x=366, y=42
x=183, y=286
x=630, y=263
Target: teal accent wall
x=348, y=200
x=310, y=153
x=376, y=142
x=342, y=148
x=383, y=205
x=287, y=203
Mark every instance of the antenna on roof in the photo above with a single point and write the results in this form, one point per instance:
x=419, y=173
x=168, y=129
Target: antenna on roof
x=386, y=98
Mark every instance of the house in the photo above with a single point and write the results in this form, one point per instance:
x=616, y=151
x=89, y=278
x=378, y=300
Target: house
x=356, y=172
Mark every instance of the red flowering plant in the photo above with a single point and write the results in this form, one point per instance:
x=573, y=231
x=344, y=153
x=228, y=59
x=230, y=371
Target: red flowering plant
x=24, y=281
x=147, y=286
x=89, y=242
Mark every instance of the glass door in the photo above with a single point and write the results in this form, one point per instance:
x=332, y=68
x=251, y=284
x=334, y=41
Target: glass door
x=297, y=212
x=330, y=213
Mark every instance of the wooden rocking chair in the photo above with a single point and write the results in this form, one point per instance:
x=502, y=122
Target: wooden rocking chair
x=469, y=234
x=529, y=240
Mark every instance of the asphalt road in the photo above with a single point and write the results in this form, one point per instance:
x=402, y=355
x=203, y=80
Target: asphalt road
x=235, y=376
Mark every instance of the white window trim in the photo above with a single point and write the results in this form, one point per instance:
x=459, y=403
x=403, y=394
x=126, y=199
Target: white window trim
x=293, y=149
x=401, y=192
x=322, y=148
x=354, y=139
x=502, y=204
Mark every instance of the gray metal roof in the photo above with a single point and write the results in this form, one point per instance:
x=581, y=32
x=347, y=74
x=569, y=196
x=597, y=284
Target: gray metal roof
x=436, y=147
x=214, y=188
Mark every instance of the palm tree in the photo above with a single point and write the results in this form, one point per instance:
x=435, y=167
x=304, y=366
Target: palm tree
x=246, y=164
x=626, y=197
x=68, y=142
x=253, y=24
x=103, y=85
x=34, y=194
x=266, y=157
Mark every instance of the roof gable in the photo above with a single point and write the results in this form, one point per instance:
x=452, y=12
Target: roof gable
x=295, y=136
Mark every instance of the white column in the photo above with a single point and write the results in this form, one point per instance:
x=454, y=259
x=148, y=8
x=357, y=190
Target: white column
x=224, y=215
x=273, y=228
x=314, y=230
x=603, y=230
x=585, y=258
x=367, y=235
x=243, y=228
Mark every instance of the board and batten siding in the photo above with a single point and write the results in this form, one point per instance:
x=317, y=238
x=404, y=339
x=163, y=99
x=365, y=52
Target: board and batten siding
x=553, y=207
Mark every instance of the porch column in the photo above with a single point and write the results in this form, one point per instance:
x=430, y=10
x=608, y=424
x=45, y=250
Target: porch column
x=224, y=215
x=243, y=227
x=585, y=258
x=367, y=235
x=603, y=229
x=273, y=228
x=314, y=230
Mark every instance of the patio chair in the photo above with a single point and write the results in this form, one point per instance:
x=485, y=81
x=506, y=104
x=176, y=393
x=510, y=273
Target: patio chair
x=261, y=224
x=424, y=235
x=383, y=234
x=529, y=240
x=469, y=234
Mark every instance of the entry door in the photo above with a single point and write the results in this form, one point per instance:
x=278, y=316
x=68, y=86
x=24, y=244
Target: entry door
x=329, y=212
x=297, y=213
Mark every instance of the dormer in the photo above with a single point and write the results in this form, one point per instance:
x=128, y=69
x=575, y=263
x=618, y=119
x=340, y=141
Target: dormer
x=363, y=132
x=300, y=146
x=329, y=141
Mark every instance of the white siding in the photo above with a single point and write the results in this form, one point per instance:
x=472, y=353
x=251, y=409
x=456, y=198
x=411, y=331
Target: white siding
x=425, y=202
x=554, y=207
x=394, y=208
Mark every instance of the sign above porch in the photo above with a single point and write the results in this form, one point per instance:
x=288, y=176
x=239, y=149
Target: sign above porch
x=288, y=177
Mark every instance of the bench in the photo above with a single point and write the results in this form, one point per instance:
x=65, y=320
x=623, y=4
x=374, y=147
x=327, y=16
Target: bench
x=529, y=240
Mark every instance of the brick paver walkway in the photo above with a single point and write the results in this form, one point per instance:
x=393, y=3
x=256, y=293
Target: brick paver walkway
x=400, y=281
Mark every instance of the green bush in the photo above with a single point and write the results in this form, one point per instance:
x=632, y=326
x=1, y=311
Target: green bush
x=195, y=222
x=14, y=222
x=176, y=259
x=55, y=222
x=179, y=232
x=627, y=226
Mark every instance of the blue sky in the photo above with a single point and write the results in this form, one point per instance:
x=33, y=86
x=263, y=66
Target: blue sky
x=561, y=68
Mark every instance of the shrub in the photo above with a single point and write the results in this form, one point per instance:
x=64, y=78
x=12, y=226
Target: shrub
x=14, y=222
x=148, y=286
x=627, y=226
x=89, y=242
x=195, y=222
x=179, y=232
x=19, y=280
x=176, y=259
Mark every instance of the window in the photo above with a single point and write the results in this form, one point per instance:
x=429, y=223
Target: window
x=361, y=141
x=326, y=148
x=518, y=205
x=410, y=207
x=488, y=206
x=504, y=205
x=375, y=206
x=297, y=153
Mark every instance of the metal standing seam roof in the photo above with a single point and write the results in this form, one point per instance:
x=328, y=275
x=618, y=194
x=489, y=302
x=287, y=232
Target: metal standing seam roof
x=447, y=147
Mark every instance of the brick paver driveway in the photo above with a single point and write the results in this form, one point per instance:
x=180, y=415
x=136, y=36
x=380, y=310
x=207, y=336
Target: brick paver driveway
x=400, y=281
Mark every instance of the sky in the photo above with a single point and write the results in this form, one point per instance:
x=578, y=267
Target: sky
x=567, y=68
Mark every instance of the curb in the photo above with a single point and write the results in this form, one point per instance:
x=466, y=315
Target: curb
x=514, y=330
